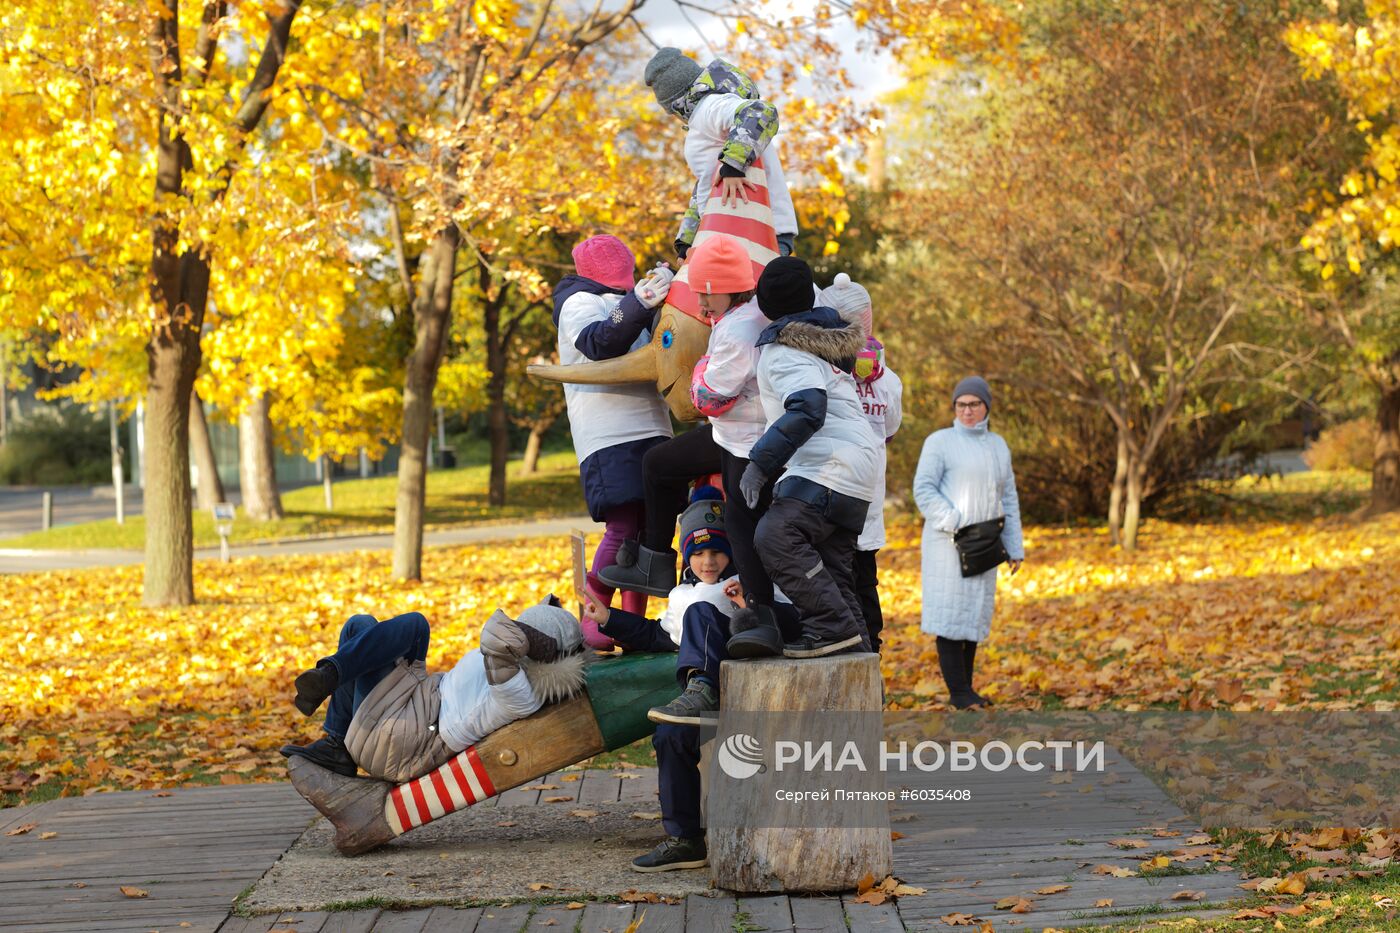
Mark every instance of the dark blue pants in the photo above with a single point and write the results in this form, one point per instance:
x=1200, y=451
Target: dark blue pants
x=367, y=653
x=678, y=778
x=705, y=632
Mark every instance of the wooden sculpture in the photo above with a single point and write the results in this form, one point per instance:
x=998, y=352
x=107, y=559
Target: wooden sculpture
x=611, y=713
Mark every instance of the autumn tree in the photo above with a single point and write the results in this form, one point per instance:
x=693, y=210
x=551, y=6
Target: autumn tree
x=1104, y=225
x=132, y=124
x=1356, y=220
x=486, y=124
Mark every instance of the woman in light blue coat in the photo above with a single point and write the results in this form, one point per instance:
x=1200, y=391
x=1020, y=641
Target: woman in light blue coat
x=964, y=477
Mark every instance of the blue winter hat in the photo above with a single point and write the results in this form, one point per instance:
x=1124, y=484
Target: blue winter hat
x=702, y=524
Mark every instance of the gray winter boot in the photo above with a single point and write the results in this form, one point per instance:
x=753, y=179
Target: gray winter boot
x=754, y=634
x=654, y=573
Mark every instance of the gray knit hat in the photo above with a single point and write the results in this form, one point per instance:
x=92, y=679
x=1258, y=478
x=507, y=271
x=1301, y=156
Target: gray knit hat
x=670, y=74
x=553, y=620
x=974, y=385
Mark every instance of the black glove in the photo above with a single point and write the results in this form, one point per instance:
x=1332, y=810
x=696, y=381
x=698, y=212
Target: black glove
x=751, y=484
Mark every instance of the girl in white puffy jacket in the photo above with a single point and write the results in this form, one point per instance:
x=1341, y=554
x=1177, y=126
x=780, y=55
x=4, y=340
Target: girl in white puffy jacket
x=724, y=388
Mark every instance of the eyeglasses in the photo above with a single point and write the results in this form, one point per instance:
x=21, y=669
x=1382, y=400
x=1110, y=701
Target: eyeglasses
x=968, y=406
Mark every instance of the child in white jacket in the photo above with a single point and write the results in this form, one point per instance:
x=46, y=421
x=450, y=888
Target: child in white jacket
x=818, y=438
x=602, y=315
x=882, y=401
x=724, y=388
x=728, y=127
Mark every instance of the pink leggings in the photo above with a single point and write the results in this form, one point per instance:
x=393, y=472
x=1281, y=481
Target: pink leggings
x=621, y=522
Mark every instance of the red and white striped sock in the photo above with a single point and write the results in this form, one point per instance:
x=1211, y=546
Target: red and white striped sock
x=459, y=783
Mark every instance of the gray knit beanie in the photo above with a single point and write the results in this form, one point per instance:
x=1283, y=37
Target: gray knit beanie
x=974, y=385
x=849, y=298
x=670, y=74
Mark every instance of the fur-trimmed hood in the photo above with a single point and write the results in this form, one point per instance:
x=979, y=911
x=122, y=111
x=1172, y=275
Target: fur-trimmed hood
x=822, y=332
x=558, y=680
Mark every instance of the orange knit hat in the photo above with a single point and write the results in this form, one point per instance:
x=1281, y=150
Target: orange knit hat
x=720, y=266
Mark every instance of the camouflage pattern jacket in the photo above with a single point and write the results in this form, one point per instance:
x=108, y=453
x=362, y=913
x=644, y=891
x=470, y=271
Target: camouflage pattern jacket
x=729, y=125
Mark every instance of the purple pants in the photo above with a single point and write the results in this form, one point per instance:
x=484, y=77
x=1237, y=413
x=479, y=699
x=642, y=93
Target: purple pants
x=620, y=523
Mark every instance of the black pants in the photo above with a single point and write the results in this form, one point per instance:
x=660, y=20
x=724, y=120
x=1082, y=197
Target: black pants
x=667, y=471
x=741, y=524
x=868, y=592
x=811, y=559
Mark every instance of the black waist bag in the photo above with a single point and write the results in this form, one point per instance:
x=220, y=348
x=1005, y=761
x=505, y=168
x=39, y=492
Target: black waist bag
x=979, y=546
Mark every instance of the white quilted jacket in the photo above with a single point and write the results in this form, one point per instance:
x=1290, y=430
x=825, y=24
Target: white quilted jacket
x=964, y=477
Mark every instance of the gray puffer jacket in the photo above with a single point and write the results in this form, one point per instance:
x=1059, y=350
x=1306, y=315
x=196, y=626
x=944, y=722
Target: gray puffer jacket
x=393, y=735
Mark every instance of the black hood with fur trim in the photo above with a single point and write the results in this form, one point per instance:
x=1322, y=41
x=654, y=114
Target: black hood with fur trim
x=822, y=332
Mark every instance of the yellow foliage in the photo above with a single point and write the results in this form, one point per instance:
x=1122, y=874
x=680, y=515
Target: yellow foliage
x=86, y=670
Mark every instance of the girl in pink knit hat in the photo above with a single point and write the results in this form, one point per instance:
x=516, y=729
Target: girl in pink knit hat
x=602, y=313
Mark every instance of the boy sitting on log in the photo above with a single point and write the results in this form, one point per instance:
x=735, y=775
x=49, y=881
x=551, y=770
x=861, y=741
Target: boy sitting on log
x=392, y=718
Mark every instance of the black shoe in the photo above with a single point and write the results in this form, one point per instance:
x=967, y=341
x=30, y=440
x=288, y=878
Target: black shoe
x=327, y=751
x=673, y=853
x=969, y=661
x=953, y=662
x=812, y=646
x=314, y=686
x=754, y=634
x=654, y=573
x=697, y=706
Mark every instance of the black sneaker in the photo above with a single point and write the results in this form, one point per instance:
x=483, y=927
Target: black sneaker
x=673, y=853
x=811, y=646
x=328, y=751
x=697, y=706
x=314, y=686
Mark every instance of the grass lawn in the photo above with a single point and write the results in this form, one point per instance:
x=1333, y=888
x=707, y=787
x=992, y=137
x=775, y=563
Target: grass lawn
x=454, y=497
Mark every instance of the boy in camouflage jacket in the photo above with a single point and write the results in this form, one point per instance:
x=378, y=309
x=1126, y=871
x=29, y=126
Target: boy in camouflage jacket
x=728, y=126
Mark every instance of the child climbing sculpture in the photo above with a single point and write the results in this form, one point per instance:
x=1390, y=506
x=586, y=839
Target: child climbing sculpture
x=728, y=128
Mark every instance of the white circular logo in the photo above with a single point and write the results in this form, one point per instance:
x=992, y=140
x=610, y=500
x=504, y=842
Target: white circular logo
x=741, y=756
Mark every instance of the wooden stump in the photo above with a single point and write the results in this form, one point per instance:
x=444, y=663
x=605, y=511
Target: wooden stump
x=827, y=847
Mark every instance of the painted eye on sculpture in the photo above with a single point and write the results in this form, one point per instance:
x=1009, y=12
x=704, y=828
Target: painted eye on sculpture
x=667, y=338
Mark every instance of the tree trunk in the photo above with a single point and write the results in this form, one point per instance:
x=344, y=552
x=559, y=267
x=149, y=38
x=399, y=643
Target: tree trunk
x=211, y=488
x=1132, y=506
x=432, y=317
x=814, y=845
x=531, y=461
x=257, y=475
x=179, y=291
x=497, y=418
x=172, y=360
x=1115, y=495
x=327, y=485
x=1385, y=474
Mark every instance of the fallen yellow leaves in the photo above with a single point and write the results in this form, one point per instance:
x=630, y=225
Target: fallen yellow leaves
x=868, y=891
x=1204, y=615
x=101, y=692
